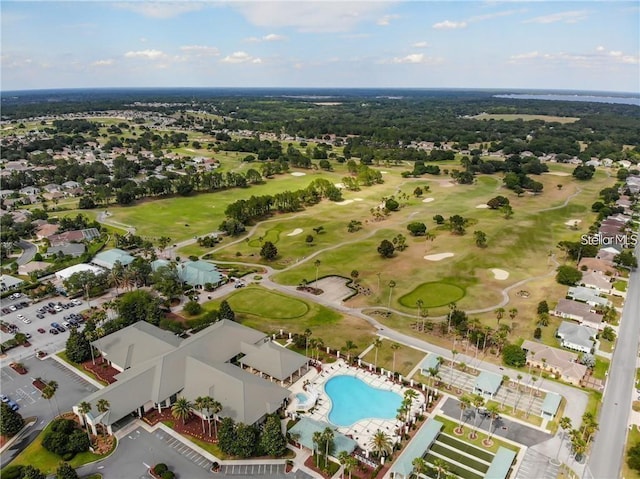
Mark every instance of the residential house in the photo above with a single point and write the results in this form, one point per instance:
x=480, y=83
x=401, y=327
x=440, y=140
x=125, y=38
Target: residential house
x=52, y=188
x=599, y=265
x=70, y=185
x=563, y=364
x=587, y=295
x=157, y=367
x=4, y=194
x=581, y=312
x=608, y=255
x=73, y=236
x=30, y=190
x=597, y=281
x=75, y=250
x=577, y=337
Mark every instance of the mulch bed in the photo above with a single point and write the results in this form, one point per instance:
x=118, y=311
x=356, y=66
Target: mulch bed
x=101, y=369
x=191, y=427
x=18, y=368
x=39, y=384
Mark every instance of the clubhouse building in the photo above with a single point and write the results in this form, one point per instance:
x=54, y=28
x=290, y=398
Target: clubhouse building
x=237, y=366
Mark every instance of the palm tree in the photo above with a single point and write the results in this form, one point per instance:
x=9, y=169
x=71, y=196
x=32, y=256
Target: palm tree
x=350, y=464
x=419, y=304
x=513, y=312
x=499, y=314
x=464, y=403
x=307, y=333
x=342, y=457
x=420, y=466
x=49, y=392
x=433, y=374
x=454, y=353
x=213, y=407
x=441, y=466
x=376, y=344
x=317, y=439
x=478, y=402
x=394, y=348
x=492, y=409
x=505, y=381
x=103, y=406
x=392, y=284
x=199, y=404
x=380, y=443
x=348, y=346
x=519, y=393
x=84, y=408
x=317, y=263
x=565, y=425
x=181, y=409
x=327, y=437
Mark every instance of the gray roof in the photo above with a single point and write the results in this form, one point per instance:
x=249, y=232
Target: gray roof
x=416, y=448
x=577, y=334
x=272, y=359
x=136, y=344
x=587, y=295
x=488, y=382
x=551, y=403
x=10, y=281
x=305, y=428
x=161, y=365
x=501, y=464
x=109, y=258
x=69, y=249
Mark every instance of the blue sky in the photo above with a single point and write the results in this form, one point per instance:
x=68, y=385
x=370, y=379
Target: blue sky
x=575, y=45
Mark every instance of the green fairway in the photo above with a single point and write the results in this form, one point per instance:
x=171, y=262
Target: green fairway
x=433, y=295
x=260, y=302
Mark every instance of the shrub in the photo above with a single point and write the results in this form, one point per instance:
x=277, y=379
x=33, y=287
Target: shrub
x=10, y=421
x=160, y=468
x=193, y=308
x=537, y=333
x=168, y=475
x=12, y=472
x=67, y=456
x=514, y=355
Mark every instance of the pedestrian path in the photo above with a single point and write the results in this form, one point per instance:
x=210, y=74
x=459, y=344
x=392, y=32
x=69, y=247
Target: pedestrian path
x=183, y=449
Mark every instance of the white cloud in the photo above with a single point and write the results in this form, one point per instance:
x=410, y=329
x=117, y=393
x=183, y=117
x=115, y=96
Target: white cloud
x=386, y=20
x=449, y=25
x=200, y=50
x=271, y=37
x=240, y=57
x=572, y=16
x=600, y=48
x=161, y=9
x=586, y=60
x=416, y=58
x=310, y=16
x=490, y=16
x=103, y=63
x=614, y=53
x=149, y=54
x=420, y=45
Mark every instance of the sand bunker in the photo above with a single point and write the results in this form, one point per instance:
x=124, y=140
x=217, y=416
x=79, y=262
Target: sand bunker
x=358, y=199
x=298, y=173
x=428, y=200
x=384, y=172
x=483, y=206
x=345, y=202
x=557, y=173
x=295, y=232
x=339, y=185
x=438, y=257
x=500, y=274
x=447, y=184
x=573, y=222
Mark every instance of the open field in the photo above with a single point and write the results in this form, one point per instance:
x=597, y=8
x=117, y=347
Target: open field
x=406, y=358
x=525, y=117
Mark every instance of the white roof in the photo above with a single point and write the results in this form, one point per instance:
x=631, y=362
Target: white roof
x=67, y=272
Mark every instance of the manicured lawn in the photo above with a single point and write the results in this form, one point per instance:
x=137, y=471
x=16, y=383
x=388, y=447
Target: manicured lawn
x=406, y=357
x=621, y=285
x=606, y=346
x=602, y=366
x=37, y=456
x=633, y=438
x=257, y=301
x=433, y=294
x=334, y=329
x=466, y=447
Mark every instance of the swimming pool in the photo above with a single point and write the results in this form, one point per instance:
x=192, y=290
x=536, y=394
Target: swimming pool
x=352, y=400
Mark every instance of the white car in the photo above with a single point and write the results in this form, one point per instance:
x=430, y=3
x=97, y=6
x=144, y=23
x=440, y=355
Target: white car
x=77, y=302
x=23, y=319
x=58, y=308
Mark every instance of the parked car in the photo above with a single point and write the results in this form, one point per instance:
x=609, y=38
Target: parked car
x=54, y=325
x=40, y=316
x=26, y=320
x=13, y=405
x=4, y=398
x=61, y=329
x=41, y=330
x=13, y=307
x=6, y=310
x=77, y=302
x=53, y=331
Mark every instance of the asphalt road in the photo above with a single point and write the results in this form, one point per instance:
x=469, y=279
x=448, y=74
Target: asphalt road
x=608, y=448
x=29, y=250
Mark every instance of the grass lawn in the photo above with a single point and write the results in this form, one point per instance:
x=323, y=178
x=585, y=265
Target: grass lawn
x=606, y=346
x=63, y=355
x=450, y=425
x=621, y=285
x=406, y=357
x=633, y=438
x=37, y=456
x=334, y=329
x=602, y=366
x=433, y=295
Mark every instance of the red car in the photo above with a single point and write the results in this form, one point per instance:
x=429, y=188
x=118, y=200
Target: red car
x=41, y=331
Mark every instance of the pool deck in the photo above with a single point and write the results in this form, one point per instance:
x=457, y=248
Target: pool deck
x=361, y=431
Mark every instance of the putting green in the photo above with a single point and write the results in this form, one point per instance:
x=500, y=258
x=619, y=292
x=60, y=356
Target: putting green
x=272, y=235
x=433, y=295
x=258, y=302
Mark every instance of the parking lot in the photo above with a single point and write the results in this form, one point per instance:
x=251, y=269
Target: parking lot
x=23, y=315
